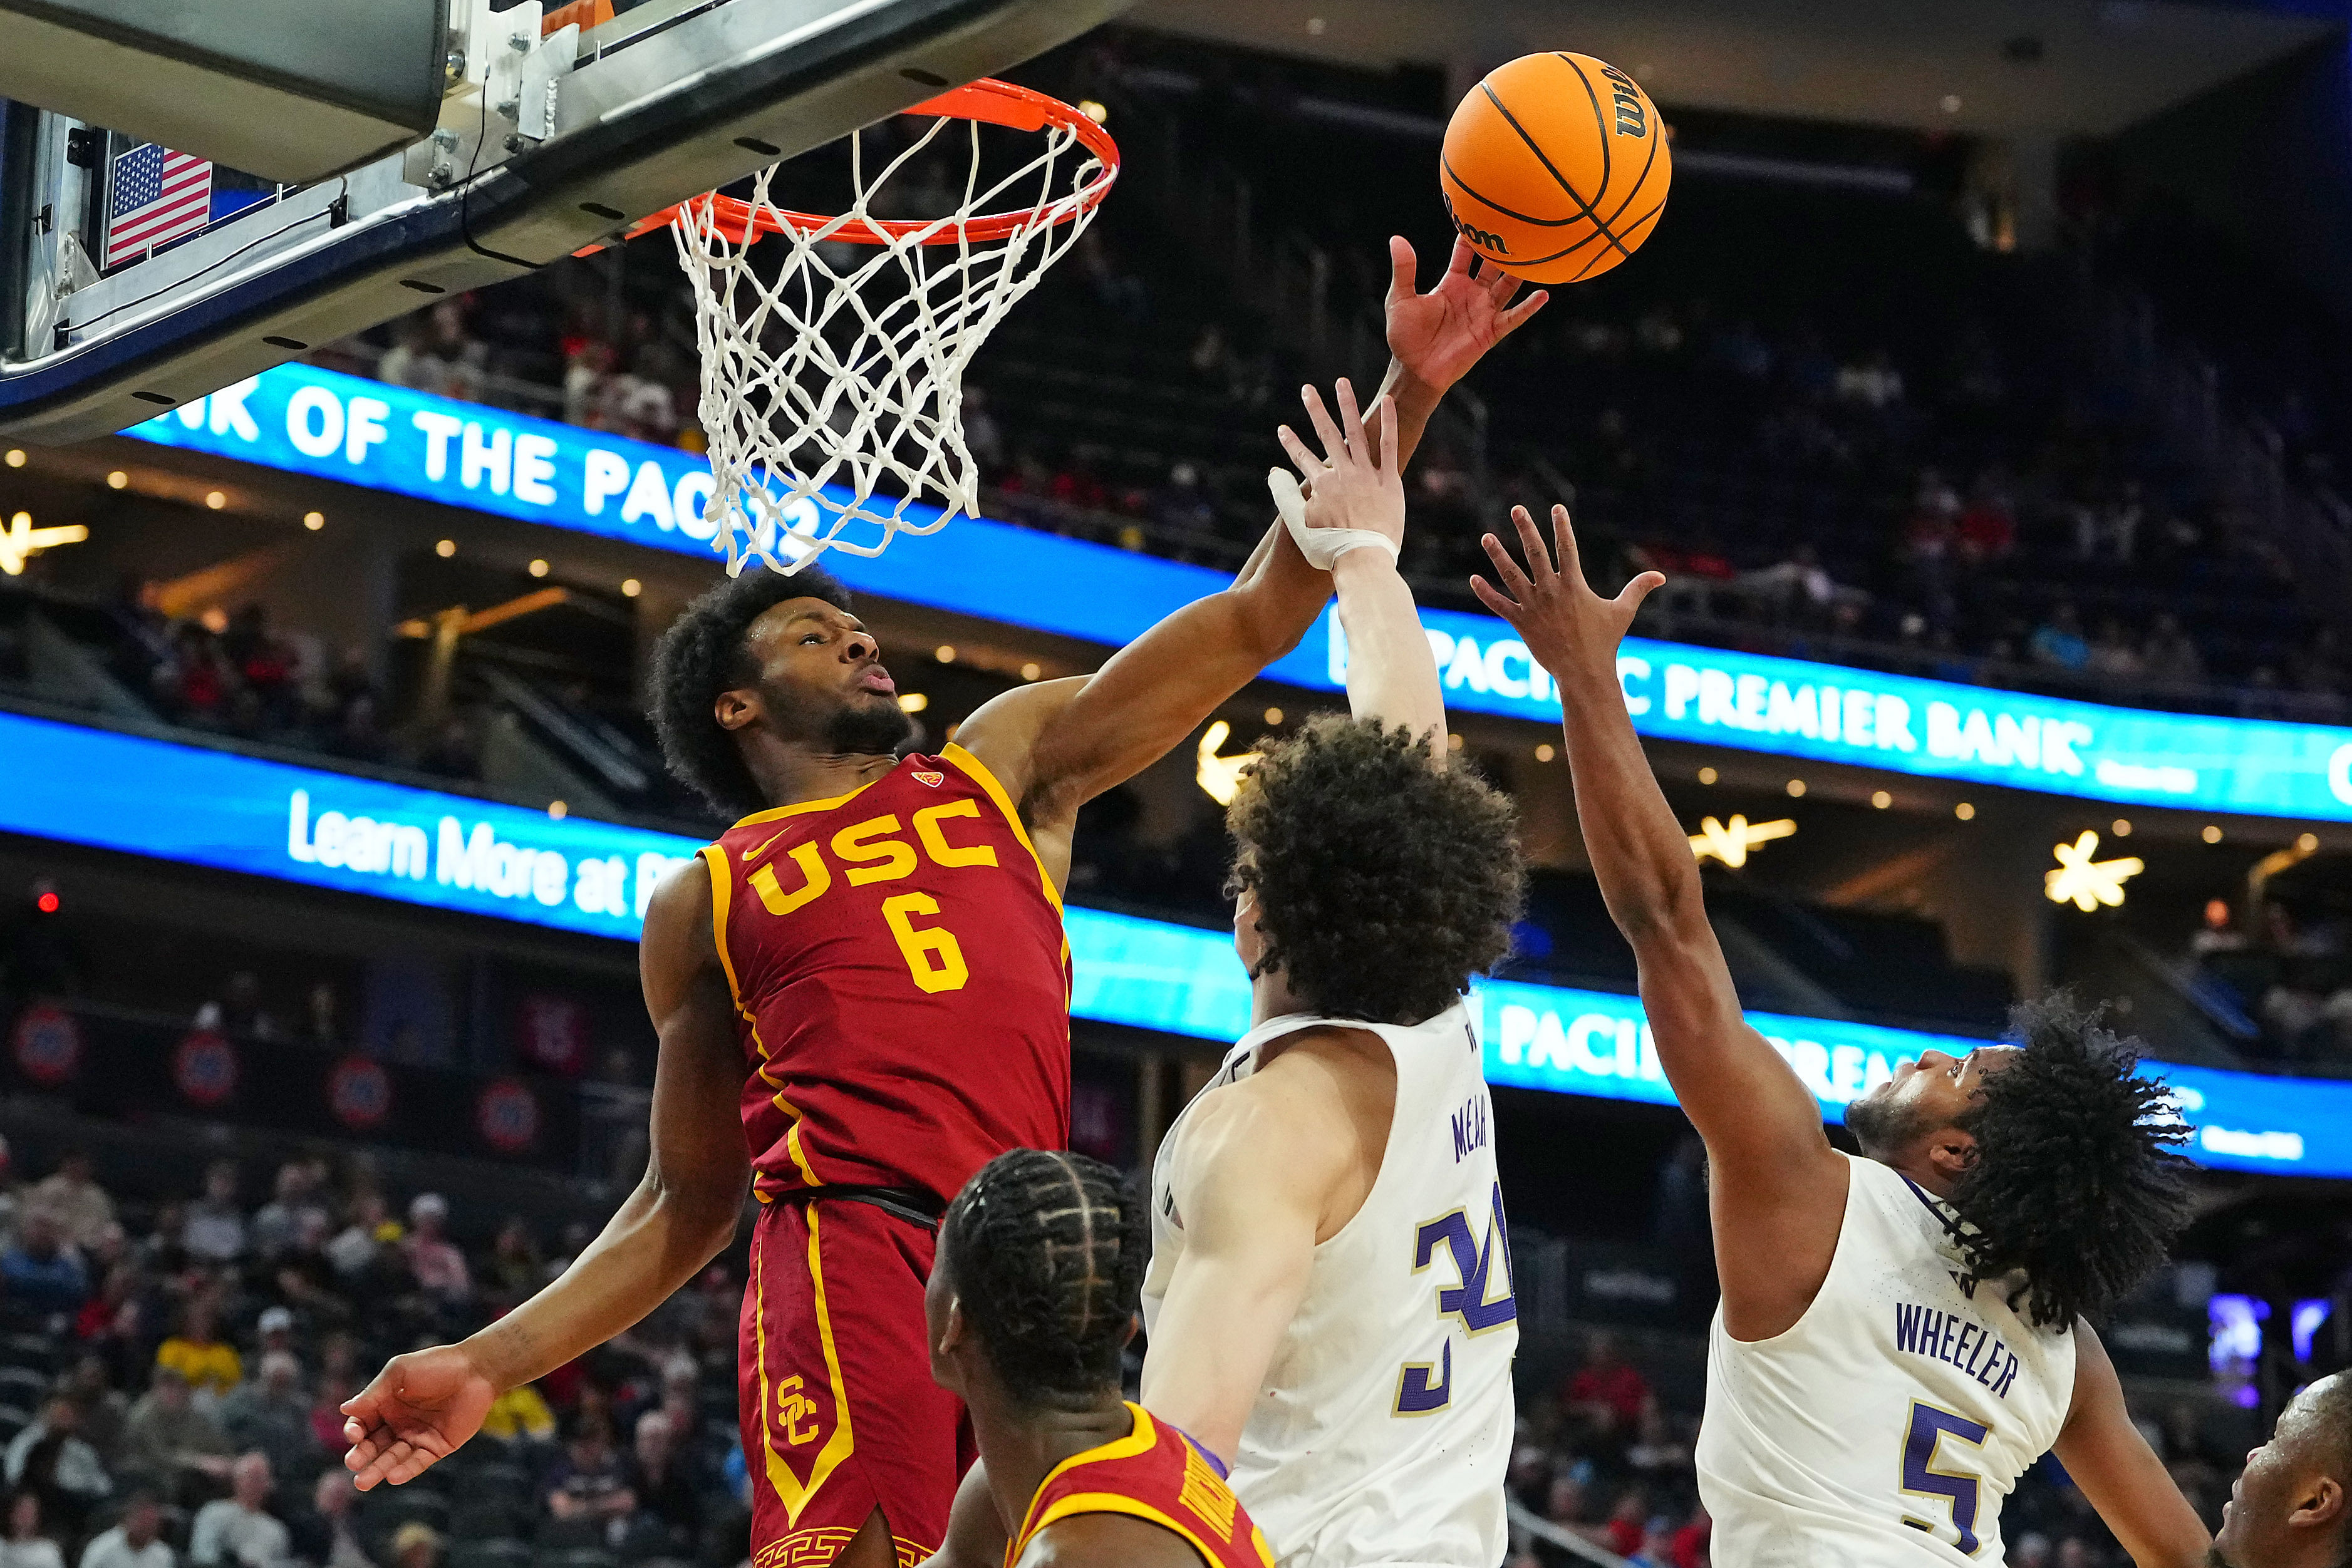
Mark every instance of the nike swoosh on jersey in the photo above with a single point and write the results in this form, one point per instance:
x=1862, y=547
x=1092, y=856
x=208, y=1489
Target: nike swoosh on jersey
x=752, y=854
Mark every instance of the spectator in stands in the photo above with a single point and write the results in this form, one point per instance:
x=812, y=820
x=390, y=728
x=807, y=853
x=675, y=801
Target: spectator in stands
x=26, y=1546
x=100, y=1412
x=237, y=1530
x=1871, y=381
x=1796, y=588
x=110, y=1323
x=136, y=1542
x=40, y=1271
x=50, y=1458
x=516, y=1269
x=210, y=1365
x=353, y=1251
x=1988, y=525
x=2110, y=526
x=172, y=1442
x=518, y=1414
x=213, y=1230
x=583, y=382
x=416, y=1544
x=238, y=1011
x=268, y=1415
x=669, y=1508
x=982, y=436
x=2171, y=655
x=1607, y=1392
x=438, y=1265
x=2058, y=642
x=410, y=362
x=325, y=1534
x=590, y=1479
x=2112, y=652
x=277, y=1223
x=70, y=1196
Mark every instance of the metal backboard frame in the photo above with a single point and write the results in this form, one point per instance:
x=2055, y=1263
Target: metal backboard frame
x=544, y=146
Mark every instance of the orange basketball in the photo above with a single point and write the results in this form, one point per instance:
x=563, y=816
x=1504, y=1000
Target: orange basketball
x=1556, y=167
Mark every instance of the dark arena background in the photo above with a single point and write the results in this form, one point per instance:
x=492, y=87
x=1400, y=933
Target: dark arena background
x=1982, y=391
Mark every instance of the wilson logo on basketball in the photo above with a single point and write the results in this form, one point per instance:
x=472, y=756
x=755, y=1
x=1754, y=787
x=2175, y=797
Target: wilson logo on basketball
x=1631, y=120
x=1478, y=236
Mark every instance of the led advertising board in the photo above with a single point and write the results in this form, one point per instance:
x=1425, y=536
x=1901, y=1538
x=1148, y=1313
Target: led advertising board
x=196, y=805
x=308, y=420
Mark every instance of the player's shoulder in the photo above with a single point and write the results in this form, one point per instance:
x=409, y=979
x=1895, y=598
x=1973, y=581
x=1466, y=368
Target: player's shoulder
x=1105, y=1540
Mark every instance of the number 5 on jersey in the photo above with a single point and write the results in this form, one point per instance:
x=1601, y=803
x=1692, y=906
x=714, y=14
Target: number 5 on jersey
x=1424, y=1386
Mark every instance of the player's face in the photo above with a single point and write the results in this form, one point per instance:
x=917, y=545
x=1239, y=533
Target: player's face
x=820, y=680
x=2283, y=1490
x=1924, y=1096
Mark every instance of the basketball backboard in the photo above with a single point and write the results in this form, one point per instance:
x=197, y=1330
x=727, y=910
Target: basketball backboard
x=547, y=143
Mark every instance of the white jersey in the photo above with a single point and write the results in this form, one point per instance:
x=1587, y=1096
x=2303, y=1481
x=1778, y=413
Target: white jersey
x=1886, y=1425
x=1382, y=1434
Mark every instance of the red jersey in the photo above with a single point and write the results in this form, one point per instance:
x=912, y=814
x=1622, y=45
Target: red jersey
x=1154, y=1473
x=901, y=982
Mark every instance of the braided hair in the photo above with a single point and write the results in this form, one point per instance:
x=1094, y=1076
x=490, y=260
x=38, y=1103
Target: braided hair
x=2076, y=1185
x=703, y=653
x=1046, y=1254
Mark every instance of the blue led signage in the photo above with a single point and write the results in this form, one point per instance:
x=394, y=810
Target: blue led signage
x=308, y=421
x=216, y=808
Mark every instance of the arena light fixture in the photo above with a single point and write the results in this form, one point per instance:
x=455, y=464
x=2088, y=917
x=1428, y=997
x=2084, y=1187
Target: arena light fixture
x=118, y=480
x=1220, y=778
x=1707, y=776
x=1730, y=842
x=22, y=540
x=2084, y=882
x=1881, y=799
x=314, y=522
x=631, y=588
x=1544, y=753
x=1273, y=716
x=913, y=702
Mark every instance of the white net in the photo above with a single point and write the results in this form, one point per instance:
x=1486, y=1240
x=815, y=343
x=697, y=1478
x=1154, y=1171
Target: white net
x=833, y=371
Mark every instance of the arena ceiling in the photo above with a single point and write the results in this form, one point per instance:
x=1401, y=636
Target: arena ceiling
x=1988, y=66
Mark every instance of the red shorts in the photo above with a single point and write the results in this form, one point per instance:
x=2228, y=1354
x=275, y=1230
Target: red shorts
x=840, y=1415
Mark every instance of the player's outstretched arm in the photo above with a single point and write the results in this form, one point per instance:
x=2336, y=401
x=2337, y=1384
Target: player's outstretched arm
x=1057, y=746
x=1262, y=1159
x=1777, y=1189
x=2108, y=1459
x=423, y=1405
x=1351, y=514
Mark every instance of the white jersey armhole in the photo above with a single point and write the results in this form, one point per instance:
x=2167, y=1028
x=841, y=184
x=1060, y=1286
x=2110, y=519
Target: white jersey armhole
x=1839, y=1253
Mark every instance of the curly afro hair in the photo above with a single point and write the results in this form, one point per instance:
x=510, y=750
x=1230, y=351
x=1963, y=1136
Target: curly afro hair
x=1381, y=884
x=1046, y=1253
x=2075, y=1186
x=703, y=654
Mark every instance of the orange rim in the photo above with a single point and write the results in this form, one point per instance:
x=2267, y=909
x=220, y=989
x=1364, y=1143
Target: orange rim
x=988, y=100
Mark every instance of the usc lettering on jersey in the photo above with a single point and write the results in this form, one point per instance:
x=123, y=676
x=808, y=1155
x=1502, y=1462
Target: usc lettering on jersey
x=1154, y=1473
x=901, y=982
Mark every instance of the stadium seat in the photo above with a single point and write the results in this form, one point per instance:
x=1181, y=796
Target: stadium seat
x=24, y=1386
x=34, y=1350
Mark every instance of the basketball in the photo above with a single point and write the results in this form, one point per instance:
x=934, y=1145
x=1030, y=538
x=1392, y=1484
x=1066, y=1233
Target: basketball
x=1556, y=167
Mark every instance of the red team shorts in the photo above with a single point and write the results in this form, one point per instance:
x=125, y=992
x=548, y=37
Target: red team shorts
x=840, y=1414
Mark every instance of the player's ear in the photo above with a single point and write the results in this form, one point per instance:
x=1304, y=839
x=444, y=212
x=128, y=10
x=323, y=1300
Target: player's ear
x=1952, y=1152
x=734, y=709
x=2323, y=1504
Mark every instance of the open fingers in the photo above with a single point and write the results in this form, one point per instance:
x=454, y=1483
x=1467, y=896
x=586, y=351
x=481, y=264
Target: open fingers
x=1495, y=600
x=1514, y=582
x=1629, y=598
x=1351, y=419
x=1306, y=461
x=1334, y=446
x=1402, y=268
x=1462, y=258
x=1509, y=319
x=1538, y=554
x=1563, y=537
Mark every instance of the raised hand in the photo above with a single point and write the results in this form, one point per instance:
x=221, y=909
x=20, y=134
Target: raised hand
x=1569, y=629
x=1439, y=335
x=1354, y=494
x=421, y=1408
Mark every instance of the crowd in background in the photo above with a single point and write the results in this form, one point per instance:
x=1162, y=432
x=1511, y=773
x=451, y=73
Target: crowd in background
x=2286, y=973
x=172, y=1378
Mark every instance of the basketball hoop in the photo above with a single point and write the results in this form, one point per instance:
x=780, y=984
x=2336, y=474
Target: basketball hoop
x=847, y=369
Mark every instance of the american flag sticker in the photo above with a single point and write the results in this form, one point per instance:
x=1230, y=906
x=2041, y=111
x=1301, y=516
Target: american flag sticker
x=159, y=196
